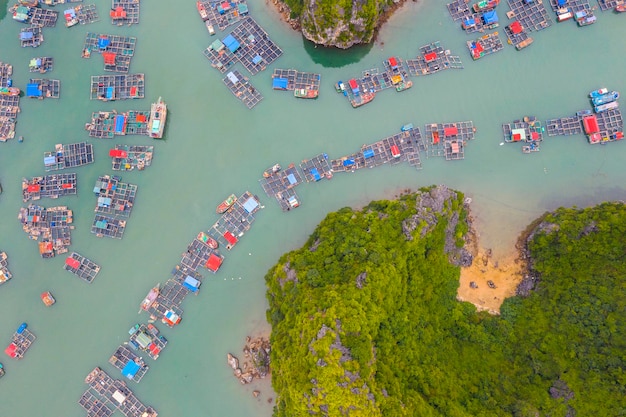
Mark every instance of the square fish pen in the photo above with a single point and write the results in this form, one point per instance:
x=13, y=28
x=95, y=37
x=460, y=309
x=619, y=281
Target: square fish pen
x=82, y=267
x=41, y=88
x=108, y=226
x=129, y=157
x=124, y=12
x=68, y=156
x=31, y=36
x=21, y=341
x=223, y=14
x=256, y=50
x=242, y=89
x=117, y=51
x=5, y=273
x=132, y=366
x=117, y=87
x=316, y=168
x=235, y=222
x=44, y=18
x=115, y=198
x=49, y=186
x=41, y=64
x=281, y=187
x=533, y=16
x=449, y=139
x=86, y=14
x=432, y=59
x=9, y=108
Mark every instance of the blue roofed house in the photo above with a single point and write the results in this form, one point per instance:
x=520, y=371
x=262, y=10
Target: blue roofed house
x=131, y=369
x=33, y=90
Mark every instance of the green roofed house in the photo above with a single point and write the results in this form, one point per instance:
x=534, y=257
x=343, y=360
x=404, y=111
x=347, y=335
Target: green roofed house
x=217, y=46
x=143, y=340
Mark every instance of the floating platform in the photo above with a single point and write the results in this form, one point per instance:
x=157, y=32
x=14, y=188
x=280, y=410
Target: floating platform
x=527, y=129
x=41, y=64
x=248, y=44
x=49, y=186
x=117, y=51
x=50, y=227
x=21, y=341
x=44, y=18
x=9, y=109
x=86, y=14
x=43, y=88
x=281, y=187
x=124, y=12
x=108, y=124
x=106, y=394
x=108, y=226
x=129, y=157
x=517, y=35
x=485, y=45
x=117, y=87
x=132, y=366
x=533, y=15
x=115, y=198
x=242, y=89
x=449, y=139
x=31, y=36
x=68, y=156
x=168, y=302
x=573, y=6
x=82, y=267
x=432, y=59
x=222, y=14
x=291, y=79
x=5, y=273
x=200, y=253
x=316, y=168
x=189, y=279
x=608, y=4
x=147, y=339
x=235, y=222
x=55, y=2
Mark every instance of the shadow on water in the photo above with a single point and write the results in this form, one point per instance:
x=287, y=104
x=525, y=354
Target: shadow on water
x=3, y=8
x=331, y=57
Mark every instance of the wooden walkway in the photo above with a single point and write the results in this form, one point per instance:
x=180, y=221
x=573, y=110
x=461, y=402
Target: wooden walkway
x=115, y=198
x=68, y=156
x=86, y=269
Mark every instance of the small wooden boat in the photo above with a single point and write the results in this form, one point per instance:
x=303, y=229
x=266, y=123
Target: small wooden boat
x=620, y=8
x=47, y=298
x=1, y=370
x=225, y=205
x=271, y=171
x=212, y=243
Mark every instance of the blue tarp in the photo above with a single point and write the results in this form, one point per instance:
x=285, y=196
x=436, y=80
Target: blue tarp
x=119, y=123
x=279, y=83
x=257, y=59
x=490, y=17
x=469, y=22
x=231, y=43
x=26, y=36
x=49, y=160
x=368, y=153
x=250, y=205
x=561, y=2
x=32, y=90
x=104, y=201
x=110, y=91
x=130, y=370
x=348, y=162
x=316, y=174
x=292, y=179
x=101, y=224
x=103, y=43
x=191, y=283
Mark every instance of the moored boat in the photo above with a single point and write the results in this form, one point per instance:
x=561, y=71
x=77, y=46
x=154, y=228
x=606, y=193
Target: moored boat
x=599, y=92
x=271, y=171
x=210, y=28
x=212, y=243
x=608, y=106
x=485, y=5
x=158, y=114
x=226, y=204
x=620, y=8
x=605, y=98
x=9, y=91
x=47, y=298
x=202, y=10
x=305, y=93
x=404, y=85
x=1, y=370
x=362, y=99
x=150, y=298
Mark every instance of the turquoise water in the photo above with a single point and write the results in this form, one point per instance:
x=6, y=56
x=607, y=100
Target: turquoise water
x=214, y=146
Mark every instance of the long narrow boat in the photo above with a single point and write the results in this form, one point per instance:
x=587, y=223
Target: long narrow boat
x=226, y=204
x=158, y=114
x=305, y=93
x=364, y=99
x=605, y=98
x=150, y=298
x=9, y=91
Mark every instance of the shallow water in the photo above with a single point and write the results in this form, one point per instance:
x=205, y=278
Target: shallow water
x=214, y=146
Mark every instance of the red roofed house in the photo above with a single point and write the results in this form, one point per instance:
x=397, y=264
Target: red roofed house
x=230, y=238
x=118, y=13
x=590, y=123
x=516, y=27
x=430, y=57
x=72, y=263
x=450, y=131
x=109, y=58
x=395, y=151
x=214, y=262
x=393, y=63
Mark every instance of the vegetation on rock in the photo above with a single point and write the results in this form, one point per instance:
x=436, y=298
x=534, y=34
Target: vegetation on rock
x=365, y=321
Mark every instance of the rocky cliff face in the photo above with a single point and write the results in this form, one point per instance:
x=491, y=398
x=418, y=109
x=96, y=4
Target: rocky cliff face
x=339, y=23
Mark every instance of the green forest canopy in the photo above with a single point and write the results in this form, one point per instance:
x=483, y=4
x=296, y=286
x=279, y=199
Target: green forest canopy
x=365, y=321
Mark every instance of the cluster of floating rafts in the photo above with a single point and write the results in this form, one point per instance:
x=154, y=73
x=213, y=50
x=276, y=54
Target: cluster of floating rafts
x=603, y=99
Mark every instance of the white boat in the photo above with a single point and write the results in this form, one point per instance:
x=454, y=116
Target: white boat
x=158, y=114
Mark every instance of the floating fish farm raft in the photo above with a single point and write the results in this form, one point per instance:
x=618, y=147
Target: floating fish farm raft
x=114, y=206
x=242, y=89
x=43, y=88
x=527, y=17
x=608, y=4
x=316, y=168
x=600, y=127
x=107, y=124
x=49, y=186
x=31, y=36
x=199, y=253
x=9, y=105
x=248, y=44
x=55, y=2
x=129, y=157
x=222, y=14
x=573, y=6
x=281, y=186
x=51, y=227
x=147, y=339
x=191, y=280
x=117, y=51
x=449, y=139
x=528, y=129
x=21, y=341
x=235, y=222
x=82, y=267
x=482, y=16
x=395, y=75
x=290, y=80
x=132, y=366
x=86, y=14
x=165, y=302
x=106, y=394
x=44, y=18
x=68, y=156
x=485, y=45
x=125, y=12
x=5, y=273
x=432, y=59
x=41, y=64
x=117, y=87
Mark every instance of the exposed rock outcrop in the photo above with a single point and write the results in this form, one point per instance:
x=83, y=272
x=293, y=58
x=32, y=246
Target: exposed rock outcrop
x=257, y=360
